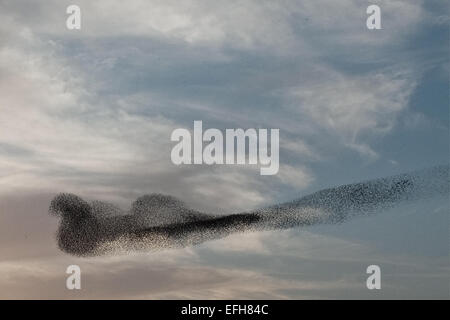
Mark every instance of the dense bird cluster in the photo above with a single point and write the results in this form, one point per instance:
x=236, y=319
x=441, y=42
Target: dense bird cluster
x=159, y=221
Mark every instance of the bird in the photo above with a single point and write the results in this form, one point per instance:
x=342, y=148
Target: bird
x=158, y=221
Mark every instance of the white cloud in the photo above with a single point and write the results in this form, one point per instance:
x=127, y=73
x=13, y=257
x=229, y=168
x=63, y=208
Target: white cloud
x=353, y=108
x=247, y=24
x=298, y=177
x=79, y=139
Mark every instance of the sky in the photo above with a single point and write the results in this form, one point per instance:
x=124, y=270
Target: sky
x=91, y=112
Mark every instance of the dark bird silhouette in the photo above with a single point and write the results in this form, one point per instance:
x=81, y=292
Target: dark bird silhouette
x=159, y=221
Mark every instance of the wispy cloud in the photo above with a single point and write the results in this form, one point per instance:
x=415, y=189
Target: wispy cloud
x=91, y=112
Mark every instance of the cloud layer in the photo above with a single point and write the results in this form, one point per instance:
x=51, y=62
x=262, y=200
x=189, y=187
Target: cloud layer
x=91, y=112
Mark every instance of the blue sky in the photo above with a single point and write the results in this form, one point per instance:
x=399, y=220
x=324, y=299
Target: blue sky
x=91, y=112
